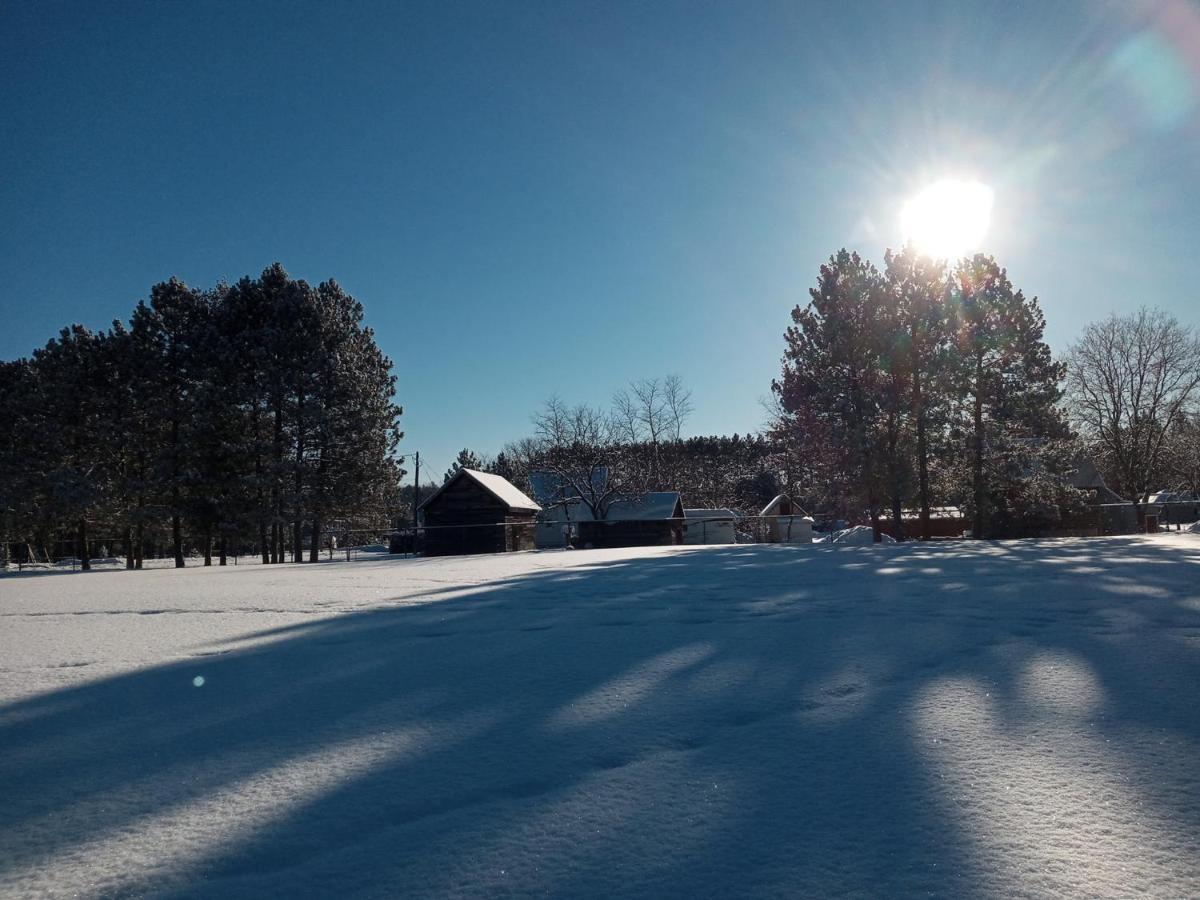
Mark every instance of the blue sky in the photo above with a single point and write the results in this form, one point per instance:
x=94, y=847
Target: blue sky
x=558, y=198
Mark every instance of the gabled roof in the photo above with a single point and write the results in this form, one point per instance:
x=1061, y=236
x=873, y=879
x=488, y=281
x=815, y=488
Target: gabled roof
x=500, y=488
x=772, y=508
x=1088, y=478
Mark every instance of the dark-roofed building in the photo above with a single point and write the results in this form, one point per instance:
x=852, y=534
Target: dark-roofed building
x=650, y=520
x=477, y=512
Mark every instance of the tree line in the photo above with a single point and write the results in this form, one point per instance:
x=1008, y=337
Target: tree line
x=923, y=385
x=929, y=383
x=240, y=417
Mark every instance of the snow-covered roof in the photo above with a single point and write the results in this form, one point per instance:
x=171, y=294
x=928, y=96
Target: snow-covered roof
x=500, y=488
x=710, y=514
x=772, y=508
x=652, y=505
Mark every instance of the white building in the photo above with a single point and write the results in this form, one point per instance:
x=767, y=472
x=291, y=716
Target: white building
x=709, y=526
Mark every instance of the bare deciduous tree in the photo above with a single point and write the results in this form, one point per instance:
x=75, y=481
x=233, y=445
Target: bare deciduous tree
x=652, y=411
x=576, y=444
x=1131, y=379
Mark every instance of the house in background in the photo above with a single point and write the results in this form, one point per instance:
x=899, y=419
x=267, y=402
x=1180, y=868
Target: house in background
x=477, y=512
x=709, y=526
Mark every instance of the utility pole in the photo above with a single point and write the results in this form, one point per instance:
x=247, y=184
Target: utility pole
x=416, y=488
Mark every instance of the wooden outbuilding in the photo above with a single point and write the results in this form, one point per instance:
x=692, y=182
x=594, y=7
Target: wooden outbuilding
x=477, y=512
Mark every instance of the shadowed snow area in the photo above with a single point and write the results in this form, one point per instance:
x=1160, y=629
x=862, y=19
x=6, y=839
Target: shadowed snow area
x=956, y=719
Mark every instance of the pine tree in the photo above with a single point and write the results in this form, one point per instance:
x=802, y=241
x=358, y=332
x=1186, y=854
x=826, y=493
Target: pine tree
x=466, y=459
x=832, y=382
x=166, y=333
x=917, y=287
x=1003, y=369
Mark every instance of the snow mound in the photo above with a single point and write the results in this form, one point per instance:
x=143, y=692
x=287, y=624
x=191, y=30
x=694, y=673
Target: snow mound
x=1194, y=528
x=860, y=534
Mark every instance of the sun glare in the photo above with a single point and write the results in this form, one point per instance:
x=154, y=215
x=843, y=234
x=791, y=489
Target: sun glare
x=948, y=219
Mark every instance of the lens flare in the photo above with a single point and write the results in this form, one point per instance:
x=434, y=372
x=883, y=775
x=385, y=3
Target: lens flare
x=948, y=219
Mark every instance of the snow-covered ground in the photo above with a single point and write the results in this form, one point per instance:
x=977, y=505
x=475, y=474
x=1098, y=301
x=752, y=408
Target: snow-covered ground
x=1000, y=719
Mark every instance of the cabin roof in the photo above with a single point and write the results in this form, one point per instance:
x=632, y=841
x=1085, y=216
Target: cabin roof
x=772, y=508
x=500, y=488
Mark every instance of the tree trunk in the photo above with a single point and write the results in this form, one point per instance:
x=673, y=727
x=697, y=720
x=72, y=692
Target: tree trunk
x=276, y=477
x=262, y=543
x=922, y=456
x=208, y=545
x=298, y=484
x=223, y=557
x=894, y=477
x=85, y=558
x=139, y=543
x=130, y=555
x=980, y=493
x=316, y=531
x=177, y=539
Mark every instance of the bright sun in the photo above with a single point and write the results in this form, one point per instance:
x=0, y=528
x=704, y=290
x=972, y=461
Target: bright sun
x=948, y=219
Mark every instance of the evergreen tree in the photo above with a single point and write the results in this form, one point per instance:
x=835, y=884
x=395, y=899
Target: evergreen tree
x=917, y=288
x=466, y=459
x=832, y=380
x=65, y=437
x=167, y=333
x=1004, y=371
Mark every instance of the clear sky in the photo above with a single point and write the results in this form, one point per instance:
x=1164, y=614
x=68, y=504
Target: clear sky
x=558, y=198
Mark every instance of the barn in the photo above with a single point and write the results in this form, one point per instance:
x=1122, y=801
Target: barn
x=649, y=520
x=477, y=512
x=786, y=523
x=709, y=526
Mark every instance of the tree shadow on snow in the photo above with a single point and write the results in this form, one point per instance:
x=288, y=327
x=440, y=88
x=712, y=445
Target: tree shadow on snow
x=724, y=721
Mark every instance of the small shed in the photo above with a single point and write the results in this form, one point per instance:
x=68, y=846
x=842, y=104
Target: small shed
x=709, y=526
x=649, y=520
x=786, y=523
x=477, y=512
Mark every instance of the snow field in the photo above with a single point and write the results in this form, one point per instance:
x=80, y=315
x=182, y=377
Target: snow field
x=955, y=719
